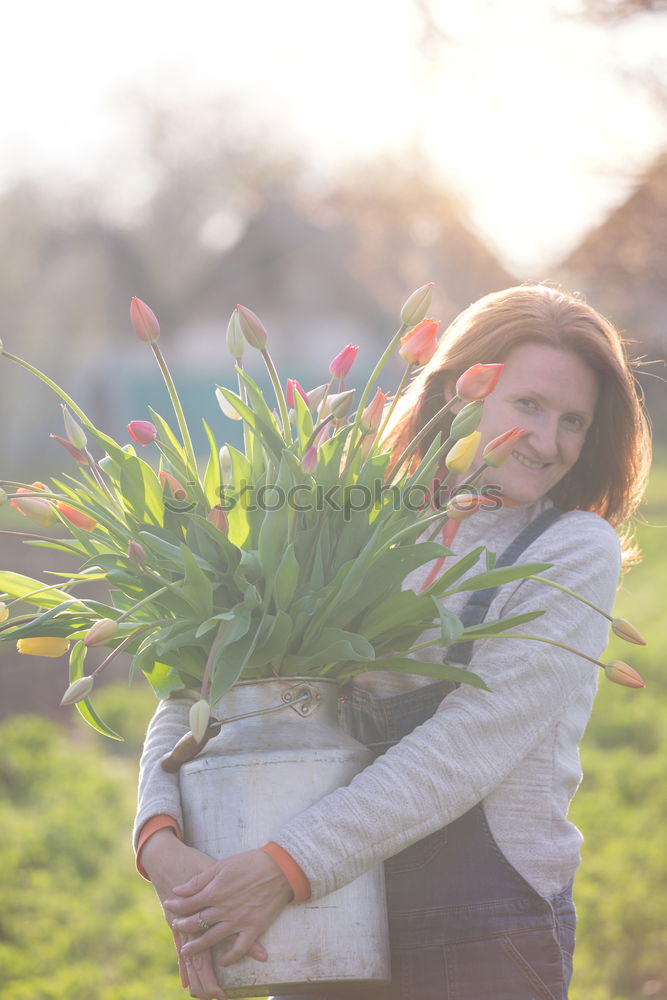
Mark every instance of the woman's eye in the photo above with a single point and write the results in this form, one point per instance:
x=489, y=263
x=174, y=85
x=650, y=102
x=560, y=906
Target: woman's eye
x=575, y=422
x=527, y=403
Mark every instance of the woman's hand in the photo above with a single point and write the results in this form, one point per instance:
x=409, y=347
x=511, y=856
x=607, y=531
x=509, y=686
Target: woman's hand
x=238, y=897
x=168, y=861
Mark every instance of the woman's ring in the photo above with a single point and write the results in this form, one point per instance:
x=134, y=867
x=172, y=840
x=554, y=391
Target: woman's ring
x=202, y=923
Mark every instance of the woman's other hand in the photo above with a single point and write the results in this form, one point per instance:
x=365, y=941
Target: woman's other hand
x=237, y=897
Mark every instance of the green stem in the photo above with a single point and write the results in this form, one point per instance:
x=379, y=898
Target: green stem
x=280, y=395
x=43, y=538
x=208, y=669
x=387, y=418
x=144, y=600
x=178, y=409
x=126, y=642
x=572, y=593
x=511, y=635
x=53, y=385
x=389, y=350
x=248, y=442
x=433, y=422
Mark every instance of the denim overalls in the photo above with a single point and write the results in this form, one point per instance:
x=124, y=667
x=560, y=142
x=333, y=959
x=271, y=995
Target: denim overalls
x=464, y=924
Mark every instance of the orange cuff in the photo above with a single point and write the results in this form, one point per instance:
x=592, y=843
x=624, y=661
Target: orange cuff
x=293, y=873
x=151, y=826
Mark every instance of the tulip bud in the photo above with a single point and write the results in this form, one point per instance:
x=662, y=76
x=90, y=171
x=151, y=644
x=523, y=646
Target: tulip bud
x=144, y=321
x=501, y=447
x=4, y=612
x=227, y=407
x=41, y=511
x=460, y=457
x=478, y=381
x=74, y=432
x=43, y=645
x=252, y=328
x=226, y=465
x=309, y=460
x=293, y=384
x=420, y=344
x=417, y=305
x=200, y=713
x=343, y=361
x=463, y=505
x=217, y=516
x=177, y=491
x=341, y=403
x=622, y=673
x=626, y=630
x=235, y=340
x=77, y=691
x=467, y=420
x=77, y=517
x=77, y=454
x=136, y=553
x=315, y=396
x=101, y=632
x=142, y=431
x=371, y=417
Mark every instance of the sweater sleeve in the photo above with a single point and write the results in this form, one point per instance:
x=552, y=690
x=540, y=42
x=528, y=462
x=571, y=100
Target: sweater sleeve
x=476, y=738
x=159, y=791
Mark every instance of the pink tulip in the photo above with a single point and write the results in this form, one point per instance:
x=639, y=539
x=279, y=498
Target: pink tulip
x=478, y=381
x=371, y=417
x=343, y=361
x=144, y=321
x=293, y=384
x=309, y=460
x=136, y=553
x=420, y=344
x=142, y=431
x=501, y=447
x=252, y=328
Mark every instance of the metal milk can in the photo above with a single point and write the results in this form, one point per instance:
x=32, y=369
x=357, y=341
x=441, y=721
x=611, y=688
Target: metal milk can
x=279, y=750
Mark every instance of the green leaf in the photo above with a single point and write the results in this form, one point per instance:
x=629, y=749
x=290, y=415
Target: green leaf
x=441, y=671
x=466, y=562
x=226, y=668
x=451, y=627
x=489, y=629
x=286, y=579
x=264, y=431
x=333, y=646
x=496, y=577
x=163, y=679
x=196, y=588
x=212, y=481
x=272, y=643
x=304, y=419
x=85, y=707
x=17, y=585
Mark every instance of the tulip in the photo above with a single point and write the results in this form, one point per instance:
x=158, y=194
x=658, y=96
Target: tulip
x=420, y=344
x=460, y=456
x=417, y=305
x=101, y=632
x=142, y=431
x=626, y=630
x=293, y=384
x=177, y=491
x=77, y=454
x=217, y=516
x=501, y=447
x=340, y=404
x=309, y=460
x=343, y=361
x=463, y=505
x=43, y=645
x=77, y=691
x=75, y=433
x=144, y=321
x=136, y=553
x=77, y=517
x=226, y=465
x=235, y=339
x=371, y=417
x=622, y=673
x=467, y=420
x=252, y=328
x=4, y=612
x=227, y=407
x=41, y=511
x=478, y=381
x=315, y=396
x=200, y=713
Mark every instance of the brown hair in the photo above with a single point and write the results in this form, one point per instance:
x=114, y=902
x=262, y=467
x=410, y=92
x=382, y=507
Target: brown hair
x=610, y=475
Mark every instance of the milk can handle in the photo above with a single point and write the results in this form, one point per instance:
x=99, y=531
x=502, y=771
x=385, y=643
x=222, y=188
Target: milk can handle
x=188, y=747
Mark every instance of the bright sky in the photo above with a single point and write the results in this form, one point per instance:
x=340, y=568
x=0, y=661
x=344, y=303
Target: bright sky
x=526, y=112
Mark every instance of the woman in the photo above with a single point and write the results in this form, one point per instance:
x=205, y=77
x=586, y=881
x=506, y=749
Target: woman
x=468, y=807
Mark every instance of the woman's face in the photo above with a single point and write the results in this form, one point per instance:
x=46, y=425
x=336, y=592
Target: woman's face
x=551, y=394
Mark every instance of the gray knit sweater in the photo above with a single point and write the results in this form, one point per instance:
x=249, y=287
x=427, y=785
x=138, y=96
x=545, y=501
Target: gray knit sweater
x=515, y=748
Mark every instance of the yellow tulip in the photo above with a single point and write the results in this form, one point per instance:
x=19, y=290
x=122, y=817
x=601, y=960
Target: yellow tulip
x=460, y=456
x=43, y=645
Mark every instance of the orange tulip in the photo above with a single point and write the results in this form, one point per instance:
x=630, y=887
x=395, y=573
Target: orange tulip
x=177, y=491
x=478, y=381
x=371, y=417
x=41, y=511
x=77, y=517
x=463, y=505
x=622, y=673
x=420, y=344
x=217, y=516
x=501, y=447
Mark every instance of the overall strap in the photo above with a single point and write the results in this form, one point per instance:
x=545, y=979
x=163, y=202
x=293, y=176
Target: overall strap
x=476, y=609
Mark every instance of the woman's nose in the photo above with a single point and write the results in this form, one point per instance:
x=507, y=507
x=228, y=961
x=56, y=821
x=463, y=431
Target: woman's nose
x=543, y=438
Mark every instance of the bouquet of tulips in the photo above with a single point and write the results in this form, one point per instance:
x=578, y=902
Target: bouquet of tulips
x=284, y=558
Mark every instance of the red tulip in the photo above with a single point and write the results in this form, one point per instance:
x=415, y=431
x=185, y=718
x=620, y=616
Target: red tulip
x=144, y=321
x=478, y=381
x=420, y=344
x=343, y=361
x=142, y=431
